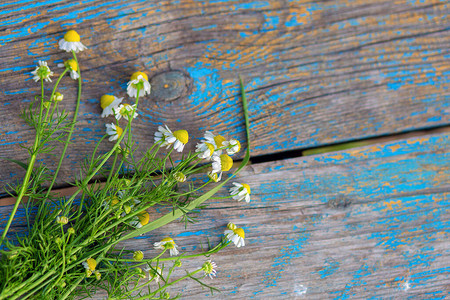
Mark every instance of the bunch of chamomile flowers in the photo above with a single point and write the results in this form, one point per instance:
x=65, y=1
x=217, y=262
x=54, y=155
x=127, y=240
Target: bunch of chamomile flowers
x=79, y=240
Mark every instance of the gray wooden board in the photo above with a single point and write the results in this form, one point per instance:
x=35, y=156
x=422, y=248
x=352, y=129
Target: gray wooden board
x=316, y=72
x=370, y=222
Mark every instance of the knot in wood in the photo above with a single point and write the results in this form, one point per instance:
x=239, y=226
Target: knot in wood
x=169, y=86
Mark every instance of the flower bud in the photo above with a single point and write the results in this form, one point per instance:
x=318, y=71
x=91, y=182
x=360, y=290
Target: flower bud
x=138, y=255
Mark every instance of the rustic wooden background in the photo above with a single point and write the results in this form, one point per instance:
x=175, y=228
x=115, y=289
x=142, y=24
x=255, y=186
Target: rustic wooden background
x=369, y=222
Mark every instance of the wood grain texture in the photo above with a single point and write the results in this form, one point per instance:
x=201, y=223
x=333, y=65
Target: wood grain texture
x=366, y=223
x=316, y=72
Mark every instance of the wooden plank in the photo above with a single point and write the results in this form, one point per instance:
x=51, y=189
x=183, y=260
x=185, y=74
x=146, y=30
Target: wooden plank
x=316, y=72
x=371, y=222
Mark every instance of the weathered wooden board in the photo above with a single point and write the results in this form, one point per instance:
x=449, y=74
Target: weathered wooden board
x=366, y=223
x=317, y=72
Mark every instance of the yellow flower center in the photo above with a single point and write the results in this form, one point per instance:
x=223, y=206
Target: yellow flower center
x=106, y=100
x=72, y=64
x=207, y=267
x=240, y=232
x=136, y=75
x=247, y=187
x=72, y=36
x=219, y=140
x=144, y=218
x=119, y=131
x=226, y=161
x=168, y=239
x=182, y=136
x=92, y=263
x=210, y=147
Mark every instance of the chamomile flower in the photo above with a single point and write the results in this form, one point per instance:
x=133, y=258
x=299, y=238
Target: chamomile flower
x=233, y=146
x=167, y=243
x=125, y=110
x=235, y=235
x=154, y=273
x=97, y=275
x=62, y=220
x=138, y=255
x=138, y=81
x=108, y=104
x=72, y=65
x=215, y=140
x=114, y=131
x=42, y=72
x=90, y=264
x=161, y=136
x=215, y=176
x=166, y=137
x=58, y=97
x=180, y=177
x=205, y=150
x=71, y=42
x=221, y=163
x=240, y=192
x=142, y=219
x=209, y=267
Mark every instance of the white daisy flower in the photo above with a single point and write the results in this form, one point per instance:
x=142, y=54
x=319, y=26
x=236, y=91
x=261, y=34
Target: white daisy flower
x=42, y=71
x=215, y=176
x=71, y=42
x=240, y=192
x=205, y=149
x=209, y=267
x=233, y=146
x=153, y=273
x=125, y=110
x=221, y=163
x=167, y=243
x=72, y=65
x=108, y=104
x=235, y=235
x=178, y=138
x=161, y=135
x=138, y=81
x=114, y=131
x=141, y=219
x=216, y=140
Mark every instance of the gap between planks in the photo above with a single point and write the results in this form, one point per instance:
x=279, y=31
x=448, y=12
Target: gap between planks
x=68, y=191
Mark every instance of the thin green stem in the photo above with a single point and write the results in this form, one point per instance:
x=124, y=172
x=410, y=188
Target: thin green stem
x=74, y=120
x=30, y=167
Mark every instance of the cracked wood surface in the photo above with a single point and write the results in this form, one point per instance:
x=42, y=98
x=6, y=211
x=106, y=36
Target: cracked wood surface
x=316, y=72
x=370, y=222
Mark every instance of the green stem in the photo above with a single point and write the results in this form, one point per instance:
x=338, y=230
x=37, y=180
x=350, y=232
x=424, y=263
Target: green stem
x=69, y=136
x=54, y=90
